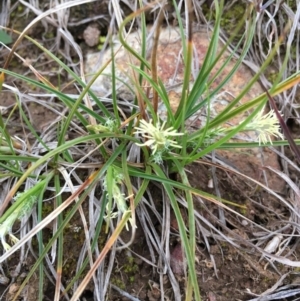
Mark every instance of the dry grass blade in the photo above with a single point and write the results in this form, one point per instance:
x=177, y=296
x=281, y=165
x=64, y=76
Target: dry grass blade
x=48, y=219
x=295, y=197
x=101, y=257
x=39, y=18
x=284, y=127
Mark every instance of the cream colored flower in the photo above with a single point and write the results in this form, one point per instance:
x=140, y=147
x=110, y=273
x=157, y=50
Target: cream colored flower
x=265, y=126
x=156, y=137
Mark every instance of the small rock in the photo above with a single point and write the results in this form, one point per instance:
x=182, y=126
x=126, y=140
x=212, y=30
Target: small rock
x=91, y=36
x=244, y=222
x=211, y=296
x=177, y=260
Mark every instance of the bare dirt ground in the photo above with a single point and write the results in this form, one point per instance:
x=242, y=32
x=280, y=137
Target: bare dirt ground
x=238, y=275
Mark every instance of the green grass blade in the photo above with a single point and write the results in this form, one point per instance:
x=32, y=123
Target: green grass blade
x=183, y=235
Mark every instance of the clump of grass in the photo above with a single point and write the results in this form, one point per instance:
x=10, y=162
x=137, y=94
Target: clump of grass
x=126, y=152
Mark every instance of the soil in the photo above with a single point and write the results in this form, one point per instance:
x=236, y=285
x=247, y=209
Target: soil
x=224, y=272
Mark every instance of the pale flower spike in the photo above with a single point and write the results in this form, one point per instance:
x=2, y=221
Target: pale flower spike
x=119, y=199
x=6, y=227
x=157, y=137
x=265, y=126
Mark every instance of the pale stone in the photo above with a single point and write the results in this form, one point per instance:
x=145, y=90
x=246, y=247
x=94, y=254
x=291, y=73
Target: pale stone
x=91, y=36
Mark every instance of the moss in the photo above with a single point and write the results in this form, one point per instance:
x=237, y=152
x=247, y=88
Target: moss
x=292, y=4
x=230, y=18
x=50, y=35
x=127, y=271
x=20, y=8
x=47, y=209
x=118, y=282
x=130, y=267
x=102, y=238
x=272, y=75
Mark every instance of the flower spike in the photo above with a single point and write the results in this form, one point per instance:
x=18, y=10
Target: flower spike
x=265, y=126
x=158, y=139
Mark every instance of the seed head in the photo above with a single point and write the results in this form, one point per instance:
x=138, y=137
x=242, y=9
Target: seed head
x=157, y=138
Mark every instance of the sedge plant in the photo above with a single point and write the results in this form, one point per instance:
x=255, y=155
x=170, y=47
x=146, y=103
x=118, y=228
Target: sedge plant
x=119, y=153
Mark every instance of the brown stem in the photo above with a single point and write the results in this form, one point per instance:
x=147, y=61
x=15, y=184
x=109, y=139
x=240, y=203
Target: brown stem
x=154, y=58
